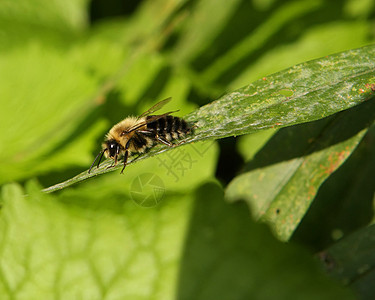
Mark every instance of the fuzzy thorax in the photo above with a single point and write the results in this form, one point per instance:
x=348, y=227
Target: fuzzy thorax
x=118, y=133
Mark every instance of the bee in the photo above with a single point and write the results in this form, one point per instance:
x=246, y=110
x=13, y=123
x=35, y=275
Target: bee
x=138, y=134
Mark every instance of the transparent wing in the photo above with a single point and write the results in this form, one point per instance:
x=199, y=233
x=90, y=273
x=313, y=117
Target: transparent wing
x=149, y=120
x=155, y=108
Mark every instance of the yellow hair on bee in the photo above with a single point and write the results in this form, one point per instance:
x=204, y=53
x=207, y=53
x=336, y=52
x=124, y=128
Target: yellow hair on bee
x=117, y=130
x=136, y=135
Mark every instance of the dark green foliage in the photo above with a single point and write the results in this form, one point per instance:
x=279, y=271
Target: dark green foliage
x=291, y=83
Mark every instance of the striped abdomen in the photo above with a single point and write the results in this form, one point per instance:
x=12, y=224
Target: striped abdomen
x=169, y=127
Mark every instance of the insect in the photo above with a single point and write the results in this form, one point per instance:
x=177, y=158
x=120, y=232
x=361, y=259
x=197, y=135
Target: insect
x=137, y=134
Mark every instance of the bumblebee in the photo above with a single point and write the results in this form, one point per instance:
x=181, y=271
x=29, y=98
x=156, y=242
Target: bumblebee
x=137, y=134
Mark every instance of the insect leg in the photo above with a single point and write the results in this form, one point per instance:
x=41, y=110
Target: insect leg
x=125, y=161
x=125, y=156
x=163, y=141
x=157, y=137
x=180, y=143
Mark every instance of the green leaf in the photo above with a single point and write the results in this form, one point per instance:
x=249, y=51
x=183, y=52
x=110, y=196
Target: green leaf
x=55, y=22
x=196, y=38
x=352, y=261
x=55, y=99
x=260, y=36
x=54, y=250
x=63, y=89
x=51, y=250
x=149, y=234
x=284, y=178
x=336, y=211
x=223, y=241
x=303, y=93
x=148, y=182
x=314, y=42
x=31, y=124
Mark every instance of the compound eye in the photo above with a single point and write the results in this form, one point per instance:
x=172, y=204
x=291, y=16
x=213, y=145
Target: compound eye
x=112, y=149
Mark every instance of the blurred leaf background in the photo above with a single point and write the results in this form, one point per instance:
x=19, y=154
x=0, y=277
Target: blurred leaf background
x=172, y=226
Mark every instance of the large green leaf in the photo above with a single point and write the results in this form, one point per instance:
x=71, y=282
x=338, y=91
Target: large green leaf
x=283, y=179
x=345, y=202
x=65, y=82
x=50, y=250
x=222, y=241
x=31, y=123
x=191, y=245
x=303, y=93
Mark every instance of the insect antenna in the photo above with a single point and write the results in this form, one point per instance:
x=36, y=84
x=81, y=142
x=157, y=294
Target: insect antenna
x=101, y=153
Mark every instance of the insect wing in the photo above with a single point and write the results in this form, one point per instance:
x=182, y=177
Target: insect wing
x=155, y=108
x=150, y=120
